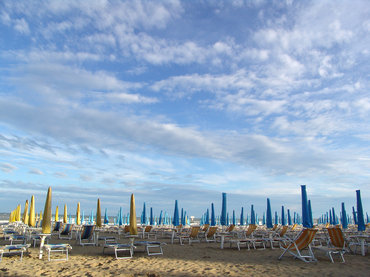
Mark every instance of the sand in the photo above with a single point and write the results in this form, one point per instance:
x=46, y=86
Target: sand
x=198, y=259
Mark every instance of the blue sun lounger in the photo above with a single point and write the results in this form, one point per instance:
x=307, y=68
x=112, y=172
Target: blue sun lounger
x=15, y=248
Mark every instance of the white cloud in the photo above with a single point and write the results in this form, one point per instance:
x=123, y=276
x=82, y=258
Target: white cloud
x=36, y=171
x=8, y=168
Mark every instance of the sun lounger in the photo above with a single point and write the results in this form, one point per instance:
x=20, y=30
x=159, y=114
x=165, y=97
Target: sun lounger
x=151, y=247
x=66, y=231
x=86, y=236
x=15, y=248
x=191, y=236
x=301, y=242
x=57, y=248
x=119, y=247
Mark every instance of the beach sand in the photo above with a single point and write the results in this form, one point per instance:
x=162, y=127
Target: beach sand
x=198, y=259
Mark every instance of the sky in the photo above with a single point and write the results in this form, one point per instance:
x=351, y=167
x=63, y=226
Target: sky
x=184, y=100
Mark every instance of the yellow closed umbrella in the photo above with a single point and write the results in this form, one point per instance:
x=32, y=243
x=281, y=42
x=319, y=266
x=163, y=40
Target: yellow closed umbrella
x=78, y=214
x=65, y=217
x=25, y=213
x=11, y=216
x=18, y=213
x=98, y=214
x=133, y=225
x=46, y=221
x=57, y=214
x=32, y=218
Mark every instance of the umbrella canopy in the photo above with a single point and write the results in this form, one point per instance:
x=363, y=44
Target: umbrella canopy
x=133, y=225
x=283, y=216
x=305, y=215
x=65, y=215
x=25, y=213
x=98, y=214
x=360, y=213
x=268, y=215
x=78, y=214
x=46, y=222
x=344, y=217
x=234, y=218
x=253, y=216
x=32, y=218
x=223, y=210
x=175, y=220
x=242, y=217
x=56, y=219
x=213, y=216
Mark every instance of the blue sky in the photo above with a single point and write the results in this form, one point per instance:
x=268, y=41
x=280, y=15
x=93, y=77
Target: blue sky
x=184, y=100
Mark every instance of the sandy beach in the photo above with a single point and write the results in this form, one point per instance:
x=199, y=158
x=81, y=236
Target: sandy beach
x=198, y=259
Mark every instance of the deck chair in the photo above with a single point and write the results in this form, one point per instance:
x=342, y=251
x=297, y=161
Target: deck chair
x=248, y=239
x=15, y=249
x=17, y=239
x=119, y=247
x=191, y=236
x=211, y=234
x=278, y=238
x=66, y=231
x=57, y=248
x=148, y=231
x=86, y=236
x=57, y=226
x=300, y=243
x=336, y=244
x=151, y=247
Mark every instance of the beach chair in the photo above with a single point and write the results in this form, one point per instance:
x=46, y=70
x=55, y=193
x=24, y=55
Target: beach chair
x=301, y=242
x=278, y=238
x=57, y=248
x=66, y=231
x=17, y=239
x=151, y=247
x=57, y=227
x=119, y=247
x=191, y=236
x=14, y=249
x=147, y=231
x=86, y=236
x=248, y=239
x=336, y=244
x=211, y=234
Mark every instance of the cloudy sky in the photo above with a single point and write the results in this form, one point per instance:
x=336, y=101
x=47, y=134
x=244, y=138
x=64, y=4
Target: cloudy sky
x=185, y=100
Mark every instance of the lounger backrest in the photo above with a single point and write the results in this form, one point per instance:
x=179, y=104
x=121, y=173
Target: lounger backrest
x=127, y=228
x=148, y=228
x=294, y=226
x=205, y=227
x=283, y=230
x=230, y=228
x=67, y=229
x=194, y=231
x=274, y=228
x=336, y=237
x=57, y=226
x=211, y=231
x=251, y=229
x=87, y=231
x=304, y=239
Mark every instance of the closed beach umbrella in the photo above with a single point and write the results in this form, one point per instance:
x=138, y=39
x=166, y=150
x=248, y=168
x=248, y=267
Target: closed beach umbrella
x=263, y=218
x=18, y=213
x=46, y=221
x=78, y=214
x=305, y=215
x=354, y=215
x=344, y=217
x=133, y=225
x=310, y=213
x=283, y=216
x=32, y=218
x=242, y=217
x=56, y=214
x=223, y=210
x=289, y=218
x=213, y=217
x=360, y=213
x=227, y=219
x=106, y=220
x=207, y=217
x=276, y=218
x=65, y=214
x=268, y=215
x=91, y=218
x=143, y=221
x=182, y=217
x=25, y=213
x=151, y=216
x=253, y=216
x=98, y=214
x=234, y=218
x=120, y=219
x=175, y=220
x=160, y=218
x=334, y=217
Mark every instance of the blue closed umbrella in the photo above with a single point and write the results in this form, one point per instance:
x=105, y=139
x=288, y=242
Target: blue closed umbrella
x=334, y=216
x=227, y=219
x=276, y=218
x=160, y=219
x=310, y=213
x=207, y=217
x=223, y=210
x=120, y=219
x=253, y=216
x=354, y=215
x=213, y=217
x=360, y=213
x=289, y=218
x=283, y=216
x=263, y=219
x=242, y=217
x=151, y=216
x=234, y=218
x=175, y=220
x=184, y=222
x=143, y=217
x=182, y=216
x=344, y=217
x=268, y=215
x=106, y=220
x=305, y=213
